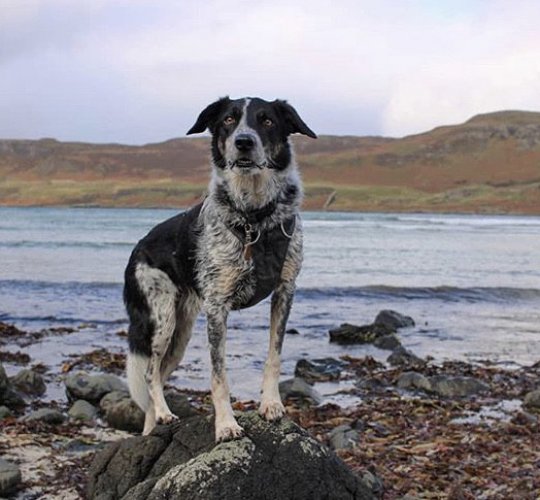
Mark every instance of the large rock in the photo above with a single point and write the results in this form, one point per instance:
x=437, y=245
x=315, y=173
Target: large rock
x=273, y=461
x=404, y=357
x=92, y=388
x=393, y=320
x=353, y=334
x=29, y=382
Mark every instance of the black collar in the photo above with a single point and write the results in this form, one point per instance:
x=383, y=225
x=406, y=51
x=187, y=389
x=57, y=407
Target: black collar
x=254, y=216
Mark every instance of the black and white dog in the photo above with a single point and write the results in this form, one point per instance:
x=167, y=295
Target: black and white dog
x=229, y=252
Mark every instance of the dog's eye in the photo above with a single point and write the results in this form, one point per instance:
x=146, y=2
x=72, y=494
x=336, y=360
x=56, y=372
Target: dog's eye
x=267, y=122
x=229, y=120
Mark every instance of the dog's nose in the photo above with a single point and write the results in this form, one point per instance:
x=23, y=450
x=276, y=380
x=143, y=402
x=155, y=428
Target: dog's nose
x=244, y=142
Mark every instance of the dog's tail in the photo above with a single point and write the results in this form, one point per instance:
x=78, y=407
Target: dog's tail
x=137, y=365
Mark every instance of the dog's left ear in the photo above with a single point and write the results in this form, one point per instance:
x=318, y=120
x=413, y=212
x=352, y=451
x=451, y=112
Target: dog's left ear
x=208, y=116
x=293, y=123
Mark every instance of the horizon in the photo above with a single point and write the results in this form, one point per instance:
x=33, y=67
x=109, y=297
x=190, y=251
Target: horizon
x=136, y=72
x=206, y=134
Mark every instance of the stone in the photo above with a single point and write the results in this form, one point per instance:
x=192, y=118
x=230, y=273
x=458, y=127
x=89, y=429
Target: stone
x=374, y=483
x=393, y=320
x=4, y=380
x=92, y=388
x=298, y=388
x=292, y=331
x=414, y=380
x=112, y=398
x=343, y=437
x=5, y=412
x=82, y=410
x=125, y=415
x=403, y=357
x=10, y=477
x=353, y=334
x=532, y=400
x=450, y=387
x=29, y=382
x=276, y=460
x=46, y=415
x=387, y=342
x=318, y=370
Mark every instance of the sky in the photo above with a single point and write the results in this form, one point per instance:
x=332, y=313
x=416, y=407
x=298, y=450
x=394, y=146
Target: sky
x=140, y=71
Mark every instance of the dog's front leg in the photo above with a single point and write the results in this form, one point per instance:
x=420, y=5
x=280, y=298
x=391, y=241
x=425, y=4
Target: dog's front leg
x=226, y=425
x=271, y=407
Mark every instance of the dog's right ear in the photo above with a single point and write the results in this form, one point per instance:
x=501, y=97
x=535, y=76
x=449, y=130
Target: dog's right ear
x=208, y=117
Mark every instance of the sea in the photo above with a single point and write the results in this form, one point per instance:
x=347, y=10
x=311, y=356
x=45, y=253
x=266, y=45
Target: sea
x=470, y=282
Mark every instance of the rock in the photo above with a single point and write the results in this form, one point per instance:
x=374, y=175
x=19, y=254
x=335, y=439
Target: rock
x=450, y=387
x=46, y=415
x=125, y=415
x=273, y=461
x=92, y=388
x=532, y=400
x=82, y=410
x=343, y=437
x=292, y=331
x=29, y=382
x=4, y=380
x=404, y=357
x=393, y=320
x=374, y=483
x=10, y=477
x=319, y=370
x=387, y=342
x=122, y=413
x=352, y=334
x=413, y=380
x=298, y=388
x=5, y=412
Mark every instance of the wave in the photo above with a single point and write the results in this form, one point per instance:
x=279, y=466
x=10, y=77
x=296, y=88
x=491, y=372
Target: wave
x=439, y=293
x=64, y=320
x=66, y=244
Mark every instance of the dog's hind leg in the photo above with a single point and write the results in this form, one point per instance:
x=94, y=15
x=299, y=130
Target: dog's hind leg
x=161, y=295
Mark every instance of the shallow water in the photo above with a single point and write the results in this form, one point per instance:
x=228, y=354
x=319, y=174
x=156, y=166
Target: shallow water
x=472, y=284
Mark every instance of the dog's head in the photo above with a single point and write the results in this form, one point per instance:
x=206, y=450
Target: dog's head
x=250, y=134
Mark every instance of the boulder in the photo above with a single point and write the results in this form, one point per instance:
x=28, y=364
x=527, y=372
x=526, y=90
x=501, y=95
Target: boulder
x=10, y=477
x=451, y=387
x=82, y=410
x=393, y=320
x=319, y=370
x=8, y=396
x=29, y=382
x=404, y=357
x=92, y=388
x=532, y=400
x=273, y=461
x=413, y=380
x=353, y=334
x=387, y=342
x=46, y=415
x=297, y=388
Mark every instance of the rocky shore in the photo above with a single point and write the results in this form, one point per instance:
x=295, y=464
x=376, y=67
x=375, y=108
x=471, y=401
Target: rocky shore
x=418, y=429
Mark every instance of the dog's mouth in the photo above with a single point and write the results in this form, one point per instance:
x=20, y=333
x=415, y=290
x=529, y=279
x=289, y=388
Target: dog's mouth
x=246, y=163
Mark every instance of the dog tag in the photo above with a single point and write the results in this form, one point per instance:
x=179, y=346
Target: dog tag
x=248, y=243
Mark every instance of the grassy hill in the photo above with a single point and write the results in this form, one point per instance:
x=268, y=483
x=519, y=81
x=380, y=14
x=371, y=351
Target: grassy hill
x=489, y=164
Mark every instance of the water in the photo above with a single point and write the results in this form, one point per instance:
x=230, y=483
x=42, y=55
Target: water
x=472, y=284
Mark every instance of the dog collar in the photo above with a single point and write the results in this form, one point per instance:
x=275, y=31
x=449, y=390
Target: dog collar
x=255, y=216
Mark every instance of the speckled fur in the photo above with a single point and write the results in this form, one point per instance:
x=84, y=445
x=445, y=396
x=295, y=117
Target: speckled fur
x=223, y=278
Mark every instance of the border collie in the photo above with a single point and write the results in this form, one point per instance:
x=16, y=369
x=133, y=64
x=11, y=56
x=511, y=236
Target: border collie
x=242, y=243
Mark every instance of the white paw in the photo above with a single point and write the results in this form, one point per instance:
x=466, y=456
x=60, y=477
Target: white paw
x=228, y=432
x=166, y=418
x=272, y=410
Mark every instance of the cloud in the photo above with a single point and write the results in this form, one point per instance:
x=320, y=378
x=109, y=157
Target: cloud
x=138, y=71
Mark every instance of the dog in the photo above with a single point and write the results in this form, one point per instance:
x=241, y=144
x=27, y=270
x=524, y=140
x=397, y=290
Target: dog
x=241, y=244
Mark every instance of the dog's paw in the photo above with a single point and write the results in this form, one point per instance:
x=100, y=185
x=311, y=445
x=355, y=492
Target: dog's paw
x=229, y=432
x=272, y=410
x=166, y=418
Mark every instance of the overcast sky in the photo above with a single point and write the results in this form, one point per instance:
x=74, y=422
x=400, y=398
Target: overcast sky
x=138, y=71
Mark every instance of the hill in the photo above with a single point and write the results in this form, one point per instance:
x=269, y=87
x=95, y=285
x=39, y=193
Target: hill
x=489, y=164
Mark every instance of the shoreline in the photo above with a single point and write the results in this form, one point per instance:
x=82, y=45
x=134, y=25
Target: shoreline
x=482, y=441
